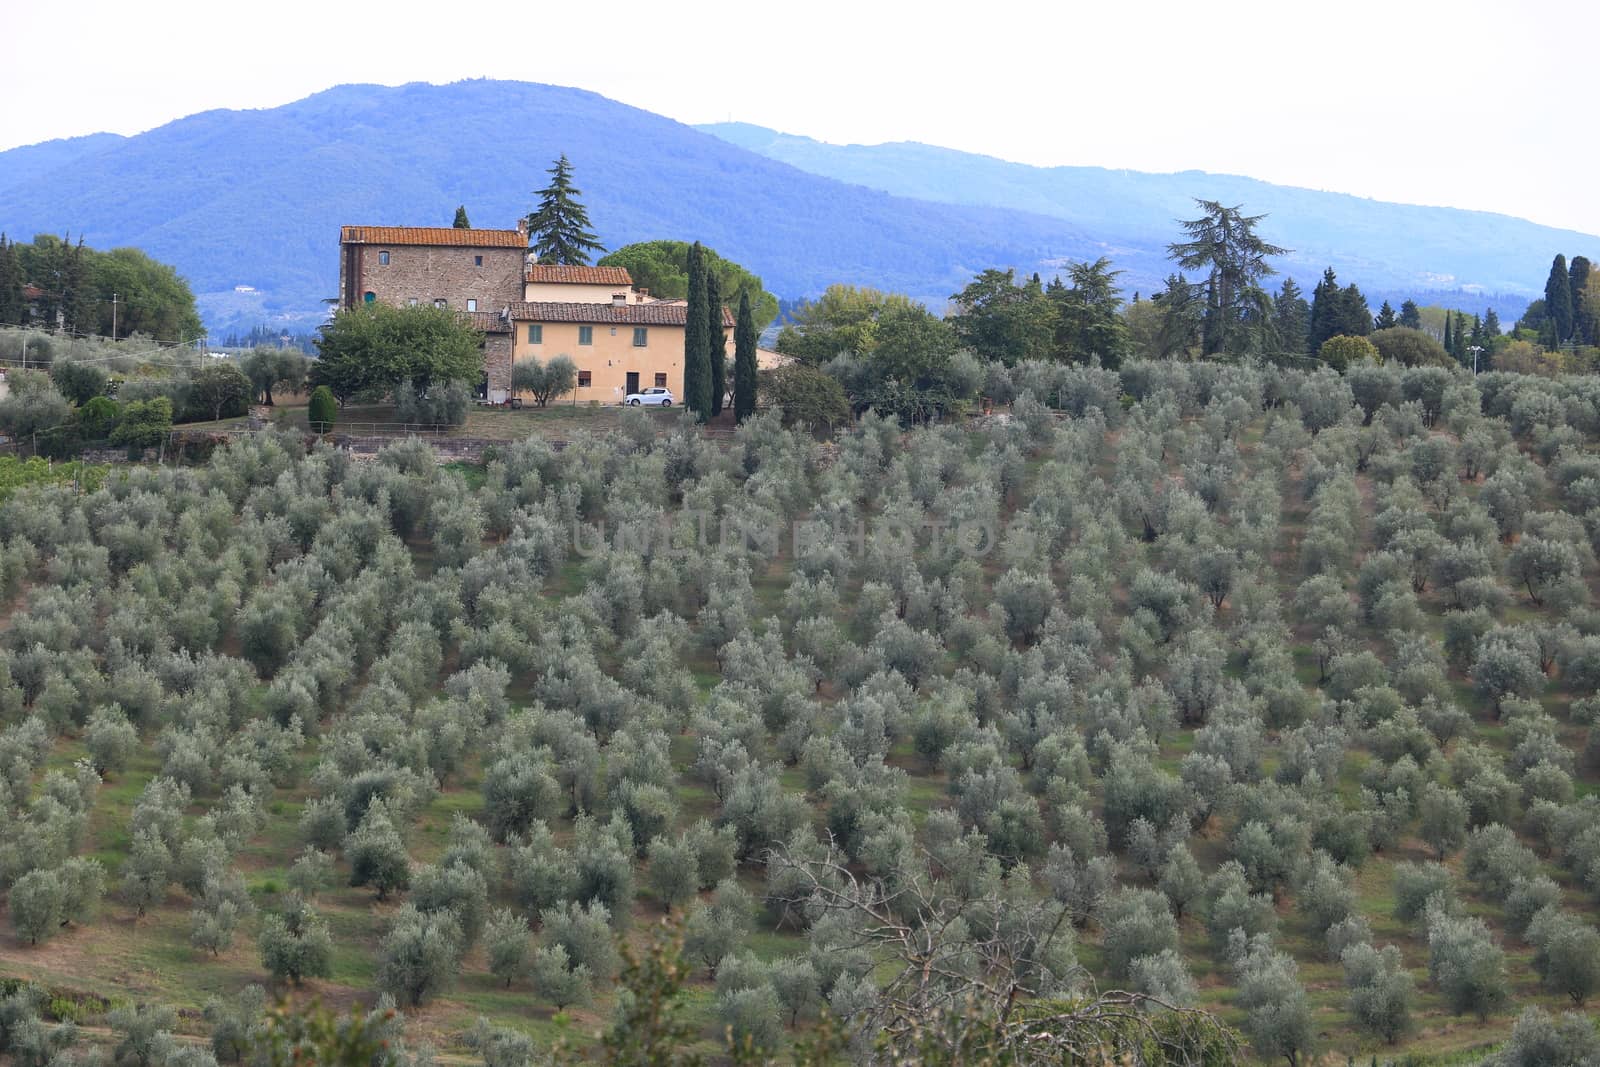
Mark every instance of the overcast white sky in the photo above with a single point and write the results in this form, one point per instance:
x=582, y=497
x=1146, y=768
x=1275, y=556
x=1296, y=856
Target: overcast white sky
x=1466, y=103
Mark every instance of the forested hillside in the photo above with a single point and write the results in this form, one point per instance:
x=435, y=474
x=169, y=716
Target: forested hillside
x=1267, y=692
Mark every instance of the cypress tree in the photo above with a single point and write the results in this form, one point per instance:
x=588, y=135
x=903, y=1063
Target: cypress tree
x=1355, y=318
x=696, y=361
x=744, y=361
x=77, y=294
x=1578, y=276
x=1324, y=310
x=13, y=305
x=1449, y=345
x=461, y=222
x=1291, y=316
x=1491, y=324
x=716, y=342
x=1558, y=298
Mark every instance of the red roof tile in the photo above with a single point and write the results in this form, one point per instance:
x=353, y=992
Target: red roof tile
x=563, y=274
x=651, y=314
x=431, y=235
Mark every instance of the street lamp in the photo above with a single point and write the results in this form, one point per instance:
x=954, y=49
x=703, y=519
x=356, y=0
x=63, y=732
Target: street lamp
x=1474, y=349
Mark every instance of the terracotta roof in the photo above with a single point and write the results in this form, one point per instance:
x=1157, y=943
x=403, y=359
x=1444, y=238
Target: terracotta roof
x=32, y=292
x=487, y=321
x=431, y=235
x=562, y=274
x=651, y=314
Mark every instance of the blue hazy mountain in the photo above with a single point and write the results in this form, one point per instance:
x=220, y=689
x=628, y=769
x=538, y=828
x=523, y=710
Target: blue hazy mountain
x=1383, y=247
x=255, y=198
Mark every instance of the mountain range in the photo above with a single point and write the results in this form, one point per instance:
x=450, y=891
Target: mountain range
x=247, y=204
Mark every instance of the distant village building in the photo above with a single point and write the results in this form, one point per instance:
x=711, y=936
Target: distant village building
x=620, y=338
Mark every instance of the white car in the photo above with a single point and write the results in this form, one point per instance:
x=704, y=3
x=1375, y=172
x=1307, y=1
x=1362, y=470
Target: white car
x=657, y=394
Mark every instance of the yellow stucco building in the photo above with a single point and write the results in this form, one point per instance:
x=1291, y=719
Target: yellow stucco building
x=620, y=338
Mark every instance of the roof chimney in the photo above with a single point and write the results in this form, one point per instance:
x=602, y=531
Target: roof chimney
x=619, y=299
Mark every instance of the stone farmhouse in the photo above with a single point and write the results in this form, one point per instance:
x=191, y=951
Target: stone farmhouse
x=620, y=337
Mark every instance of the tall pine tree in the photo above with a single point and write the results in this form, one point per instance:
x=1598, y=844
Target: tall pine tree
x=558, y=228
x=1224, y=243
x=1386, y=319
x=717, y=343
x=461, y=222
x=744, y=360
x=696, y=345
x=1558, y=298
x=1411, y=315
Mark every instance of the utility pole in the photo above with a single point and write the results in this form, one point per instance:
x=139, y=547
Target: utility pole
x=113, y=316
x=1474, y=349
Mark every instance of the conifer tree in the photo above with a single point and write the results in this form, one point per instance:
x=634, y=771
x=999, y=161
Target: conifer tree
x=696, y=355
x=1410, y=315
x=716, y=342
x=1578, y=275
x=559, y=227
x=1447, y=340
x=13, y=305
x=1558, y=298
x=1223, y=241
x=1355, y=317
x=1386, y=318
x=461, y=222
x=77, y=294
x=744, y=361
x=1491, y=324
x=1292, y=315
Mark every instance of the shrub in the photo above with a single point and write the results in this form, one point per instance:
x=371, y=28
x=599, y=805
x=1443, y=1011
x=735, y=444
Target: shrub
x=322, y=410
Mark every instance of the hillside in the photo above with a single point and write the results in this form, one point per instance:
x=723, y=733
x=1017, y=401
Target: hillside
x=1381, y=246
x=256, y=197
x=1249, y=705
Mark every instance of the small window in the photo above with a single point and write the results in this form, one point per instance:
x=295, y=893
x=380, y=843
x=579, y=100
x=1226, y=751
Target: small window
x=383, y=258
x=477, y=261
x=535, y=333
x=411, y=302
x=472, y=305
x=369, y=297
x=661, y=380
x=583, y=379
x=641, y=337
x=439, y=303
x=586, y=335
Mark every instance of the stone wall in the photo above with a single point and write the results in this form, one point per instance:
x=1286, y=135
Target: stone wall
x=497, y=360
x=426, y=273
